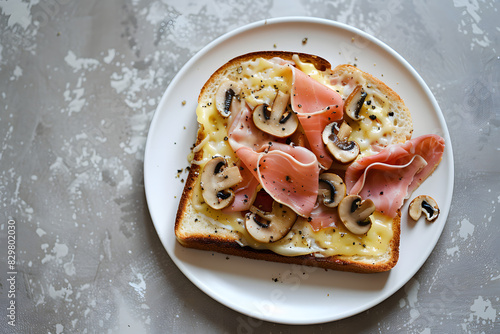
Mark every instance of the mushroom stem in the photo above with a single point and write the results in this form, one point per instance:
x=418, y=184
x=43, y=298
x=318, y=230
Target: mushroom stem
x=271, y=226
x=334, y=191
x=355, y=214
x=354, y=103
x=216, y=182
x=338, y=144
x=425, y=204
x=277, y=120
x=225, y=97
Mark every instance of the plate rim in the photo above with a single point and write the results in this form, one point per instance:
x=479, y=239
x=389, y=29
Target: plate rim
x=335, y=24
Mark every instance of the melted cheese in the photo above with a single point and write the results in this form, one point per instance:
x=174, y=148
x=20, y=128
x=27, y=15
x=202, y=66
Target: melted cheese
x=336, y=240
x=261, y=79
x=376, y=127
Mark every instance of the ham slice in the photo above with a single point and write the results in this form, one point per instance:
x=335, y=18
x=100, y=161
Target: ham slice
x=390, y=176
x=243, y=132
x=316, y=106
x=288, y=174
x=322, y=217
x=245, y=192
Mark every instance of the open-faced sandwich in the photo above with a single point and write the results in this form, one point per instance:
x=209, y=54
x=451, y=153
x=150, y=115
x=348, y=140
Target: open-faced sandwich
x=299, y=163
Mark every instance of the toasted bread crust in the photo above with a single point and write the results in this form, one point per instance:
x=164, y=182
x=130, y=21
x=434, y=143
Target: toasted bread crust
x=227, y=242
x=225, y=245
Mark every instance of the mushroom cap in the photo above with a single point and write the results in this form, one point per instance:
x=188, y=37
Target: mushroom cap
x=227, y=91
x=354, y=103
x=216, y=180
x=278, y=120
x=338, y=143
x=355, y=213
x=267, y=227
x=331, y=189
x=425, y=204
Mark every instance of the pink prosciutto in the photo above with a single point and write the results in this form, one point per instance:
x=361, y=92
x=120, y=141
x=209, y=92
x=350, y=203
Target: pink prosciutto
x=316, y=106
x=322, y=217
x=243, y=132
x=288, y=174
x=390, y=176
x=245, y=192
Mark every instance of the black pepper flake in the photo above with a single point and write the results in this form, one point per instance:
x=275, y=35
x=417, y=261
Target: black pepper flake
x=373, y=117
x=391, y=113
x=373, y=107
x=381, y=193
x=309, y=219
x=300, y=105
x=369, y=102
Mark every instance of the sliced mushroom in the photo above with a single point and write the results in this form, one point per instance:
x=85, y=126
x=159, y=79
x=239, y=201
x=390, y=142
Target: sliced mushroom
x=216, y=182
x=227, y=91
x=425, y=204
x=271, y=226
x=278, y=120
x=338, y=144
x=331, y=189
x=354, y=103
x=355, y=213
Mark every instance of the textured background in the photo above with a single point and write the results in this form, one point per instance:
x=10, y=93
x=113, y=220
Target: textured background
x=79, y=83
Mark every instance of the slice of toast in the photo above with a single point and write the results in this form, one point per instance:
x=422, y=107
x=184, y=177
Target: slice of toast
x=199, y=226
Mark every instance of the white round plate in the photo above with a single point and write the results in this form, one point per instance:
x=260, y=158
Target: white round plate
x=279, y=292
